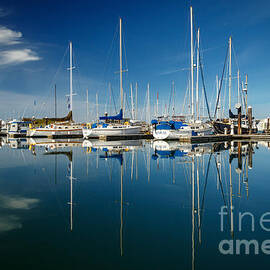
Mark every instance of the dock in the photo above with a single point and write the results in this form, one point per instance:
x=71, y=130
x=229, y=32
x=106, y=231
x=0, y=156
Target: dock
x=226, y=138
x=192, y=139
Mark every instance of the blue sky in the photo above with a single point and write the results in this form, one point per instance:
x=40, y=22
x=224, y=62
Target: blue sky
x=34, y=36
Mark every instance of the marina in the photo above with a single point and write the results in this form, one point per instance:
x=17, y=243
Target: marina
x=134, y=135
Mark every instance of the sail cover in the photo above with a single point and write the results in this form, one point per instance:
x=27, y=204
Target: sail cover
x=114, y=117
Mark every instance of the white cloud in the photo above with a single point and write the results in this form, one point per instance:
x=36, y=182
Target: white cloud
x=11, y=57
x=16, y=202
x=8, y=36
x=9, y=223
x=15, y=56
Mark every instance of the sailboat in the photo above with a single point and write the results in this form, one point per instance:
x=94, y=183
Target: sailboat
x=230, y=125
x=113, y=125
x=176, y=129
x=60, y=127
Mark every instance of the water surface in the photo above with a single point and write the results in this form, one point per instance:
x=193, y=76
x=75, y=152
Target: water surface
x=131, y=204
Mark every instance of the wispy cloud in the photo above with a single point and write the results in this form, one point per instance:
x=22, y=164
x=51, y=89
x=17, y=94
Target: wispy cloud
x=9, y=223
x=16, y=202
x=167, y=72
x=11, y=57
x=4, y=12
x=8, y=36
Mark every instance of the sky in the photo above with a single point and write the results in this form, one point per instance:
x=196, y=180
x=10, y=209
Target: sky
x=34, y=38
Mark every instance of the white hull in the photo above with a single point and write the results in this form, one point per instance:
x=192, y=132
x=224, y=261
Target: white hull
x=112, y=145
x=54, y=144
x=111, y=131
x=48, y=132
x=176, y=134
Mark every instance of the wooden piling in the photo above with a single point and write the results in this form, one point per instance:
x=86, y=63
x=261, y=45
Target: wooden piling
x=250, y=119
x=239, y=132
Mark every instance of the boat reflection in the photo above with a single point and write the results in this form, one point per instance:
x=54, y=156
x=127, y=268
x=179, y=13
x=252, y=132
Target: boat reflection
x=115, y=151
x=222, y=157
x=228, y=164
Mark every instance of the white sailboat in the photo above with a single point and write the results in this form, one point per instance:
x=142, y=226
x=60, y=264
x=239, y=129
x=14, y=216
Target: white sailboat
x=113, y=125
x=60, y=129
x=17, y=128
x=172, y=130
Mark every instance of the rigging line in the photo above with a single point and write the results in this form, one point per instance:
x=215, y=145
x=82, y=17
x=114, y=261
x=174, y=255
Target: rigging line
x=241, y=178
x=225, y=92
x=78, y=70
x=111, y=89
x=58, y=201
x=219, y=178
x=109, y=55
x=127, y=103
x=235, y=57
x=186, y=96
x=143, y=110
x=220, y=85
x=205, y=184
x=48, y=97
x=125, y=52
x=205, y=95
x=170, y=98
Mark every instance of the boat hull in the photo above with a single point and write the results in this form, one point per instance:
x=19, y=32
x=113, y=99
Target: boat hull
x=176, y=134
x=76, y=132
x=220, y=127
x=119, y=131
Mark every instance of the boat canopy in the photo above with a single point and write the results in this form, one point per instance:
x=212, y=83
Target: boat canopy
x=114, y=117
x=118, y=157
x=235, y=116
x=163, y=127
x=168, y=154
x=170, y=125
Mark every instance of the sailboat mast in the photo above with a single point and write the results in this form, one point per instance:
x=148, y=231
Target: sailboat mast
x=136, y=114
x=231, y=203
x=217, y=86
x=132, y=103
x=97, y=105
x=173, y=89
x=238, y=85
x=191, y=63
x=157, y=104
x=193, y=211
x=55, y=102
x=230, y=71
x=197, y=79
x=70, y=74
x=87, y=104
x=246, y=87
x=121, y=212
x=71, y=196
x=148, y=103
x=121, y=68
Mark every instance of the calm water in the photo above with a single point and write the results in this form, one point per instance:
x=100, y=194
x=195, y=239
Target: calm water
x=132, y=205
